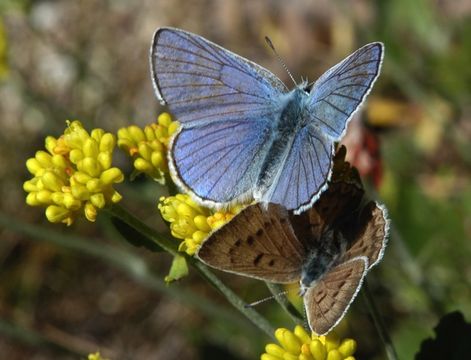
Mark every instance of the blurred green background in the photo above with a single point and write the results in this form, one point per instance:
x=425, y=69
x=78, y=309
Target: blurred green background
x=61, y=297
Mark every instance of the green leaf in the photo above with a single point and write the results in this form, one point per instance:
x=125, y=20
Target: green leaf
x=178, y=270
x=133, y=236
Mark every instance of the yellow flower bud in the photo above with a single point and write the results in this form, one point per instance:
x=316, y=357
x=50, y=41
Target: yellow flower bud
x=142, y=165
x=104, y=160
x=51, y=181
x=70, y=202
x=90, y=212
x=186, y=211
x=90, y=166
x=31, y=199
x=349, y=358
x=111, y=176
x=201, y=223
x=157, y=159
x=198, y=236
x=305, y=356
x=302, y=334
x=44, y=159
x=90, y=148
x=136, y=133
x=50, y=143
x=56, y=214
x=318, y=350
x=58, y=161
x=81, y=177
x=98, y=200
x=288, y=356
x=116, y=197
x=94, y=185
x=44, y=197
x=334, y=355
x=107, y=143
x=270, y=357
x=173, y=127
x=33, y=166
x=145, y=151
x=76, y=155
x=274, y=350
x=348, y=347
x=149, y=133
x=29, y=186
x=80, y=192
x=97, y=134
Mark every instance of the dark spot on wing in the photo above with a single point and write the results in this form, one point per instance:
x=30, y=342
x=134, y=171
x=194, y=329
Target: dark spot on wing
x=259, y=232
x=238, y=242
x=250, y=240
x=257, y=259
x=271, y=262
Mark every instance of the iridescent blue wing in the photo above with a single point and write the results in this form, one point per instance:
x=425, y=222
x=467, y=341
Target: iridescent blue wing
x=227, y=106
x=202, y=82
x=219, y=162
x=339, y=92
x=305, y=171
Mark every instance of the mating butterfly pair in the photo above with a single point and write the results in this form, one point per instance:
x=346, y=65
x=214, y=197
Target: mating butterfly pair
x=244, y=137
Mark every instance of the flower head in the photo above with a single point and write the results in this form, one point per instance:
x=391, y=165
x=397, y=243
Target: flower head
x=298, y=345
x=95, y=356
x=191, y=222
x=148, y=146
x=74, y=175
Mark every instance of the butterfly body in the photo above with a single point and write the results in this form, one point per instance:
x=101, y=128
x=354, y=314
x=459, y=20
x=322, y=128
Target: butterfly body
x=243, y=137
x=293, y=118
x=321, y=258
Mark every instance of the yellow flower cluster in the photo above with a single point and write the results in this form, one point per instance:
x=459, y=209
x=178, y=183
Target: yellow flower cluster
x=298, y=345
x=191, y=222
x=74, y=174
x=148, y=147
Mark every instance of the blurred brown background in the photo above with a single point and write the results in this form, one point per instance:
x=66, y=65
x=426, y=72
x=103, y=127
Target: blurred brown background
x=88, y=60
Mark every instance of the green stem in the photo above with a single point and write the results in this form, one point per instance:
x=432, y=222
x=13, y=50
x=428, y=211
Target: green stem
x=280, y=296
x=379, y=324
x=170, y=246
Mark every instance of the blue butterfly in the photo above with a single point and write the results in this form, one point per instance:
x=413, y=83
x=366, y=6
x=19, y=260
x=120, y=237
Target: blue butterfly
x=243, y=135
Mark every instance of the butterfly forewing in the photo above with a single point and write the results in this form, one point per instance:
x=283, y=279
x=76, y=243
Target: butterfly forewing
x=211, y=159
x=339, y=92
x=202, y=82
x=372, y=233
x=327, y=302
x=257, y=243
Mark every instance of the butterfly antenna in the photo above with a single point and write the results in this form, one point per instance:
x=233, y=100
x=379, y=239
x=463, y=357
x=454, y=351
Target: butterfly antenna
x=270, y=44
x=258, y=302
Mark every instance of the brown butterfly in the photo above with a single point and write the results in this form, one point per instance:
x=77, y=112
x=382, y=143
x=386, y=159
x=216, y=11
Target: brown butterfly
x=328, y=249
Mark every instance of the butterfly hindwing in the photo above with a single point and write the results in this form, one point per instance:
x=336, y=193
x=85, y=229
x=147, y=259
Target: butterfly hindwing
x=256, y=243
x=339, y=92
x=219, y=162
x=372, y=234
x=327, y=302
x=304, y=172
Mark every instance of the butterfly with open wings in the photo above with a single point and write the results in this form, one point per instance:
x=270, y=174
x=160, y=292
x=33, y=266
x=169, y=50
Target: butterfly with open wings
x=328, y=249
x=243, y=136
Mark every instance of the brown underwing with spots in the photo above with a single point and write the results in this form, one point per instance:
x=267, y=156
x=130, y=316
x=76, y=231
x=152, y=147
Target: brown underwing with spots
x=328, y=249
